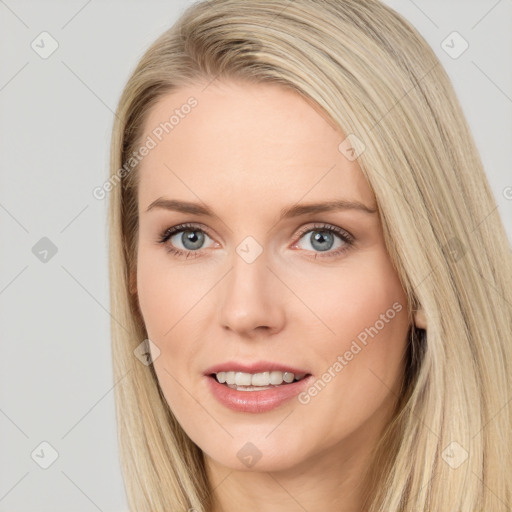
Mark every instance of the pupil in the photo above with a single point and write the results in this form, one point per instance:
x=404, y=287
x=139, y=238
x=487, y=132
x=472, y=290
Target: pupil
x=193, y=238
x=321, y=238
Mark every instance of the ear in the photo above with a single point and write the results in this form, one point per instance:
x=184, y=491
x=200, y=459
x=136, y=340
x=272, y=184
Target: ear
x=419, y=319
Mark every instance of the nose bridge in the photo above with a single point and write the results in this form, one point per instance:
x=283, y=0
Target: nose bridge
x=250, y=299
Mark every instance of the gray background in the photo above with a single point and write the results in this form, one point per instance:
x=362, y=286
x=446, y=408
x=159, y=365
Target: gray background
x=55, y=120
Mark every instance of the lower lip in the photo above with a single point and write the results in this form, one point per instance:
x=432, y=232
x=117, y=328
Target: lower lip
x=256, y=401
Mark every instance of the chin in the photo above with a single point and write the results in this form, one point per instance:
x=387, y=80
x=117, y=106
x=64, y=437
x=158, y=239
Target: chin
x=264, y=455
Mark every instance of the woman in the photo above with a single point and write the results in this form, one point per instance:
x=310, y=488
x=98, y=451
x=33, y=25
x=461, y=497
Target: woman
x=310, y=282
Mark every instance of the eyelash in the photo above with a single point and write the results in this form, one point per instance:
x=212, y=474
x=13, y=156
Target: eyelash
x=346, y=237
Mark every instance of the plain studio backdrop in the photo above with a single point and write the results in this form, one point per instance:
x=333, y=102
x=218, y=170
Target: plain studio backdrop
x=62, y=68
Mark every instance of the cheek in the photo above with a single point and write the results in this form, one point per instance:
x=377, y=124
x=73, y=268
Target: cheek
x=364, y=308
x=168, y=300
x=155, y=299
x=354, y=296
x=167, y=296
x=363, y=359
x=175, y=302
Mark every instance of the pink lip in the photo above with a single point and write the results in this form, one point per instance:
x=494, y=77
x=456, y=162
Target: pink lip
x=256, y=367
x=256, y=401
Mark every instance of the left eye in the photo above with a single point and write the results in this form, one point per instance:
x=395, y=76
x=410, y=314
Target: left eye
x=323, y=239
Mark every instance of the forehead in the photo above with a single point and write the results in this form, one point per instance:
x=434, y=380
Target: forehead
x=257, y=141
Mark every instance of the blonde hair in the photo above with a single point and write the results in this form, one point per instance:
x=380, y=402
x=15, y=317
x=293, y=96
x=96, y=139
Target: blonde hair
x=375, y=77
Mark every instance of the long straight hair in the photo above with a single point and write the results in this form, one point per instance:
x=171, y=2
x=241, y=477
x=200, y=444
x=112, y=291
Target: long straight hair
x=449, y=446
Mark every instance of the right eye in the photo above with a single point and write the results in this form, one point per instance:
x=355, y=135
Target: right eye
x=184, y=239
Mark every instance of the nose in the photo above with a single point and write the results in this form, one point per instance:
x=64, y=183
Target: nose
x=252, y=298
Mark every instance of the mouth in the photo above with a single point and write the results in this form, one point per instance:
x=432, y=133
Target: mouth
x=256, y=392
x=261, y=381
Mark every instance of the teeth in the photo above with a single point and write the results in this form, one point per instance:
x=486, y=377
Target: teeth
x=243, y=379
x=260, y=379
x=274, y=378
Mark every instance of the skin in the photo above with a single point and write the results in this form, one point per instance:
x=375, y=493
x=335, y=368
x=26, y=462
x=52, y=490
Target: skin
x=247, y=151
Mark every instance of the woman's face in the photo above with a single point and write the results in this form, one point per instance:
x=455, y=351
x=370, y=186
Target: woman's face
x=259, y=281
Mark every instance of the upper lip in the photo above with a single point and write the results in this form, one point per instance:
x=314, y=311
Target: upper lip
x=254, y=367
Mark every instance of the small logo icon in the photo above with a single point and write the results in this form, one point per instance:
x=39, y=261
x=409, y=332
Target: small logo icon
x=249, y=249
x=44, y=250
x=44, y=455
x=44, y=45
x=249, y=454
x=454, y=455
x=455, y=249
x=147, y=352
x=352, y=147
x=454, y=45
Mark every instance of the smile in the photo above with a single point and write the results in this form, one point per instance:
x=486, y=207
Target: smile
x=256, y=399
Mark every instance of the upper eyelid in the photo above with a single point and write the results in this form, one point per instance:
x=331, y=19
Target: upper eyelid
x=178, y=228
x=327, y=227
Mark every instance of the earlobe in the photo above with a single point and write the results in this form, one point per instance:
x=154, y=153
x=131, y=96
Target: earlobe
x=419, y=319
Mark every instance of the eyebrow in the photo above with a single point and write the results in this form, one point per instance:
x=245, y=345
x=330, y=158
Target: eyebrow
x=286, y=213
